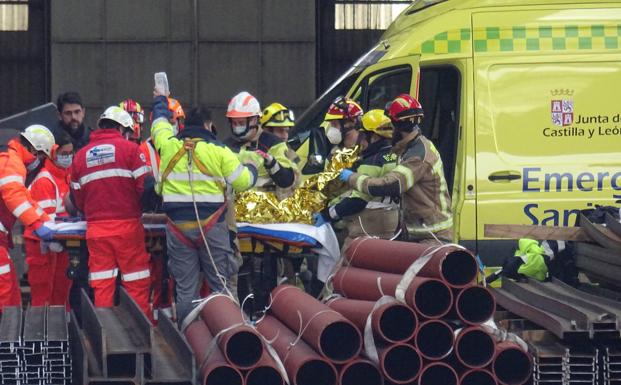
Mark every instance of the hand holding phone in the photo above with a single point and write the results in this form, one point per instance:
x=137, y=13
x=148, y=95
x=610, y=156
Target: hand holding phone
x=161, y=84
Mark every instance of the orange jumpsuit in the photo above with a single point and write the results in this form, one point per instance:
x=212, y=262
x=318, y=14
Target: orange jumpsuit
x=16, y=203
x=47, y=269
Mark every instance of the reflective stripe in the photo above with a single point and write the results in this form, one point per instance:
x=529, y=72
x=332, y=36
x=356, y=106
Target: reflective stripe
x=263, y=181
x=47, y=203
x=274, y=169
x=210, y=198
x=407, y=173
x=333, y=213
x=103, y=174
x=435, y=228
x=155, y=167
x=75, y=185
x=185, y=177
x=39, y=211
x=235, y=174
x=360, y=181
x=19, y=210
x=137, y=173
x=2, y=228
x=11, y=179
x=105, y=274
x=4, y=269
x=136, y=276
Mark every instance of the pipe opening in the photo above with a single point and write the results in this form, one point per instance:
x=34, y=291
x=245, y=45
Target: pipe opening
x=264, y=375
x=401, y=363
x=340, y=341
x=434, y=339
x=398, y=323
x=244, y=349
x=475, y=305
x=315, y=372
x=512, y=366
x=433, y=299
x=475, y=348
x=478, y=377
x=459, y=268
x=361, y=373
x=224, y=375
x=436, y=374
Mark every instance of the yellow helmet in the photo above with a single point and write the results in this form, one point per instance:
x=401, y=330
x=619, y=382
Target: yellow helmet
x=377, y=122
x=277, y=115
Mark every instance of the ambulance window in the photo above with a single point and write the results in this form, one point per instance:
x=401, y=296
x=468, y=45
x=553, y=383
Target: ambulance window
x=385, y=87
x=439, y=92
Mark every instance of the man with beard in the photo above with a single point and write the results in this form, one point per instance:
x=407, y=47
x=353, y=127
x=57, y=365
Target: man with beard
x=71, y=118
x=417, y=180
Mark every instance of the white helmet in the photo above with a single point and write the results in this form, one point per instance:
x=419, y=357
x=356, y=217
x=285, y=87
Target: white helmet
x=40, y=137
x=243, y=105
x=119, y=115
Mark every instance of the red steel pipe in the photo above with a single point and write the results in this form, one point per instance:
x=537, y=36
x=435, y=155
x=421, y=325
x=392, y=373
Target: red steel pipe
x=474, y=305
x=303, y=365
x=360, y=372
x=475, y=347
x=391, y=322
x=452, y=264
x=265, y=372
x=430, y=297
x=332, y=335
x=512, y=365
x=215, y=370
x=477, y=377
x=438, y=373
x=434, y=339
x=242, y=344
x=399, y=363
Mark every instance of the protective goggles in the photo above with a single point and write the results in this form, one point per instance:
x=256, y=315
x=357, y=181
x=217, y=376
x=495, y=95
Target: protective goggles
x=283, y=116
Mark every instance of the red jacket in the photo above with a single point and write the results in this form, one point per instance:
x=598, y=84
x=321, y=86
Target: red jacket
x=16, y=202
x=152, y=156
x=107, y=177
x=49, y=188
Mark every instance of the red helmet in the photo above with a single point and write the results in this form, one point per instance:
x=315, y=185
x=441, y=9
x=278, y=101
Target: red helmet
x=136, y=112
x=404, y=107
x=344, y=108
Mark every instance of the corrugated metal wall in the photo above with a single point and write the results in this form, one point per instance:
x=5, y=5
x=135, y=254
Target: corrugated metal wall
x=24, y=77
x=109, y=49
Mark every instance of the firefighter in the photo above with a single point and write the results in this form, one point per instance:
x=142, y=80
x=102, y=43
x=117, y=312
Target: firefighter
x=107, y=182
x=195, y=170
x=278, y=120
x=343, y=118
x=47, y=262
x=417, y=180
x=362, y=213
x=134, y=109
x=34, y=145
x=275, y=169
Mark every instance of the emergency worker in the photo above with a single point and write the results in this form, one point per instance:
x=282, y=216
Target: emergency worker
x=278, y=120
x=343, y=119
x=253, y=143
x=417, y=180
x=195, y=170
x=107, y=182
x=134, y=109
x=48, y=261
x=364, y=214
x=34, y=145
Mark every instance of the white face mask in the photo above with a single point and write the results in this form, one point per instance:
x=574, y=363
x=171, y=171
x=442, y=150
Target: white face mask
x=34, y=164
x=239, y=130
x=64, y=161
x=334, y=135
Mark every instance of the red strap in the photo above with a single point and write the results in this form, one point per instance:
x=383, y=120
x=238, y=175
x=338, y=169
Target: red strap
x=213, y=219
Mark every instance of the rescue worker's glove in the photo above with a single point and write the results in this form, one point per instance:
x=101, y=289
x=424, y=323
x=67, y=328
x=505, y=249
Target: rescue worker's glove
x=268, y=160
x=319, y=220
x=510, y=267
x=45, y=232
x=345, y=174
x=159, y=108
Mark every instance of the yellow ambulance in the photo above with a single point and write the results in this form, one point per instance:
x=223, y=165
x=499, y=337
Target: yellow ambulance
x=521, y=97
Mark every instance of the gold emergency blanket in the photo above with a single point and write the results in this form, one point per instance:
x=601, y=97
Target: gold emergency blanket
x=312, y=196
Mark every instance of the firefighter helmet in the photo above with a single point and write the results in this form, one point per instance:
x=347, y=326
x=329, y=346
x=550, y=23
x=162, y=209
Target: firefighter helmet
x=344, y=108
x=277, y=115
x=404, y=107
x=243, y=105
x=135, y=111
x=377, y=122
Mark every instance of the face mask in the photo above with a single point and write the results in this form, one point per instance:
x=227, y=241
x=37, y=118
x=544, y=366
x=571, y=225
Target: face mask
x=239, y=130
x=334, y=135
x=34, y=164
x=64, y=161
x=175, y=128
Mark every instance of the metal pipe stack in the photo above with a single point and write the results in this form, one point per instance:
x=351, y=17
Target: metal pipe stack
x=442, y=339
